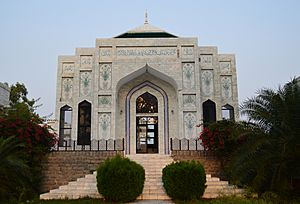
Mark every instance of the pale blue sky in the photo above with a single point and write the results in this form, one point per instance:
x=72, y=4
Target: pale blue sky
x=264, y=36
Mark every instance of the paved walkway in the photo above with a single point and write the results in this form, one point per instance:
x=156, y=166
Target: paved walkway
x=153, y=202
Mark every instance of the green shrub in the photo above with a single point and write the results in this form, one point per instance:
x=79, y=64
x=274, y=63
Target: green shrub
x=120, y=179
x=184, y=180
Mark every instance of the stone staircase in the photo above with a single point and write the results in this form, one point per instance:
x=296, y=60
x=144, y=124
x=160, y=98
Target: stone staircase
x=216, y=188
x=82, y=187
x=153, y=186
x=153, y=165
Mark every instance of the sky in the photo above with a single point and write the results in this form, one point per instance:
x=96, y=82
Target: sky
x=264, y=35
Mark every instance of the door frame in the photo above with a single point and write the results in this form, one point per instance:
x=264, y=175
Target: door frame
x=165, y=113
x=154, y=130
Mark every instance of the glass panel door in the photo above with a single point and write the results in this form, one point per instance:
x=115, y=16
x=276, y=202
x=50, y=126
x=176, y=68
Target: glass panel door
x=147, y=135
x=141, y=143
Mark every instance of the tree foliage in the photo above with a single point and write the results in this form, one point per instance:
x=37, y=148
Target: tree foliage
x=20, y=122
x=269, y=159
x=20, y=106
x=263, y=153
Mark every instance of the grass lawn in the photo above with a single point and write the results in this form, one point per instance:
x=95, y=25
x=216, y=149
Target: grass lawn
x=225, y=200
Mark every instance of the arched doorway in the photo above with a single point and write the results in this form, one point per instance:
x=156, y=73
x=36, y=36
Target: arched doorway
x=227, y=112
x=147, y=124
x=152, y=120
x=84, y=123
x=134, y=85
x=65, y=125
x=209, y=112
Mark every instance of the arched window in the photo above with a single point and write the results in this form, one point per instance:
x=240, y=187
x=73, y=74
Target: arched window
x=146, y=103
x=84, y=123
x=227, y=112
x=65, y=125
x=209, y=112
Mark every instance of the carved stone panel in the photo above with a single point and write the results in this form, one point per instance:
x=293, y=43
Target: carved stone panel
x=207, y=82
x=225, y=67
x=105, y=52
x=86, y=61
x=189, y=119
x=67, y=89
x=104, y=126
x=146, y=52
x=188, y=75
x=105, y=77
x=187, y=52
x=206, y=59
x=85, y=83
x=189, y=100
x=68, y=68
x=226, y=87
x=104, y=101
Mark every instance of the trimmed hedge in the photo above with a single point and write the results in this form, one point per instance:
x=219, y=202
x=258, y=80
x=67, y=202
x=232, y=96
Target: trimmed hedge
x=120, y=179
x=184, y=180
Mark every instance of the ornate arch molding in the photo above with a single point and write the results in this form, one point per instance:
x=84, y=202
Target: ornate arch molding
x=166, y=115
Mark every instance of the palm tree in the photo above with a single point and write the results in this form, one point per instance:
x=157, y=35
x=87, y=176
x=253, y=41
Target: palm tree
x=14, y=172
x=269, y=159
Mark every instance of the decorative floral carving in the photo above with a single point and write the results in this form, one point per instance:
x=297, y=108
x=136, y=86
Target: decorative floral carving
x=86, y=60
x=189, y=100
x=206, y=59
x=225, y=67
x=105, y=76
x=105, y=52
x=85, y=83
x=67, y=88
x=188, y=72
x=104, y=125
x=187, y=51
x=190, y=125
x=207, y=82
x=105, y=101
x=68, y=68
x=226, y=87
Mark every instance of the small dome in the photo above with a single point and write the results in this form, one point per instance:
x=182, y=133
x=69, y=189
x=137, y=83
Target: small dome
x=146, y=31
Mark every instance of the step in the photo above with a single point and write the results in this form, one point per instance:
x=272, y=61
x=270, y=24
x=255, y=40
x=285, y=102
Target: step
x=153, y=187
x=213, y=183
x=213, y=179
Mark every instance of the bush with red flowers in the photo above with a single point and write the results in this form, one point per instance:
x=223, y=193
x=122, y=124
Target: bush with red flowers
x=37, y=141
x=220, y=137
x=37, y=138
x=19, y=120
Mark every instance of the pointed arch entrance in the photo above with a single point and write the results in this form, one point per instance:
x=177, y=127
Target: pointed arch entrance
x=147, y=123
x=150, y=123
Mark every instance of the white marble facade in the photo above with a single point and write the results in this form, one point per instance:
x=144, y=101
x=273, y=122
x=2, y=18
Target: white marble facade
x=181, y=74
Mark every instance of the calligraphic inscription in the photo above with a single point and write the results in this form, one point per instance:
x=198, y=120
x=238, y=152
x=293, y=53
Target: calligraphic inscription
x=146, y=52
